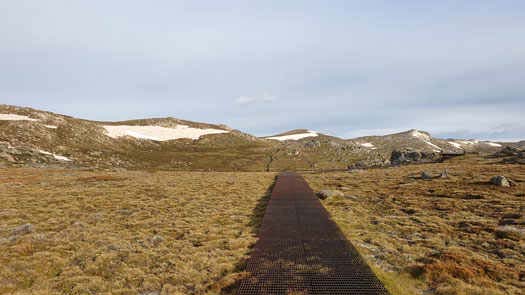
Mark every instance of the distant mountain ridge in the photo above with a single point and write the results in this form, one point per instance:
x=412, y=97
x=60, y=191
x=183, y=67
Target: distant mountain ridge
x=39, y=138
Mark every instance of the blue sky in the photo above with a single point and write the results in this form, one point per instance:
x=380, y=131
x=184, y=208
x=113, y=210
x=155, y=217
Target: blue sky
x=347, y=68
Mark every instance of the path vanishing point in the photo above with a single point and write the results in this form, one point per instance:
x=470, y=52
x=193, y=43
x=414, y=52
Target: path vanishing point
x=302, y=251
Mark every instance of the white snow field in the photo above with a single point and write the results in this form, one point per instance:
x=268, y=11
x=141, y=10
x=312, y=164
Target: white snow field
x=58, y=157
x=295, y=136
x=425, y=138
x=420, y=135
x=455, y=144
x=15, y=117
x=158, y=133
x=494, y=144
x=368, y=145
x=436, y=148
x=461, y=143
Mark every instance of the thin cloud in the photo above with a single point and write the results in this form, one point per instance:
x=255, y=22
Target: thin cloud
x=244, y=100
x=456, y=73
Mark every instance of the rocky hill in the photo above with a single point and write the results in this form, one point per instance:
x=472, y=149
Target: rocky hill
x=30, y=137
x=38, y=138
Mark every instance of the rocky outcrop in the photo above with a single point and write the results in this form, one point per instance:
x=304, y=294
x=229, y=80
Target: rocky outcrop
x=23, y=229
x=15, y=156
x=508, y=151
x=426, y=175
x=399, y=157
x=371, y=162
x=324, y=194
x=500, y=181
x=510, y=155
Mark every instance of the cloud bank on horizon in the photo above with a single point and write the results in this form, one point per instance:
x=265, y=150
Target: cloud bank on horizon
x=453, y=68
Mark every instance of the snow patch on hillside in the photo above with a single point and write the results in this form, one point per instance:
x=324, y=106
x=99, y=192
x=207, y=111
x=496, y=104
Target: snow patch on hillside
x=469, y=142
x=15, y=117
x=57, y=157
x=368, y=145
x=455, y=144
x=436, y=148
x=475, y=142
x=420, y=135
x=295, y=136
x=494, y=144
x=158, y=133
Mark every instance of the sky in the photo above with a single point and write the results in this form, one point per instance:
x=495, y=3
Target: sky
x=345, y=68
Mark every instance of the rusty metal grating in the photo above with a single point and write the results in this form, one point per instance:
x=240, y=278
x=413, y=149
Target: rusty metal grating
x=302, y=251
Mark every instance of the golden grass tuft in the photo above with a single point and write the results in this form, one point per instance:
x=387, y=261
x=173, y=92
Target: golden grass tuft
x=126, y=232
x=443, y=235
x=95, y=178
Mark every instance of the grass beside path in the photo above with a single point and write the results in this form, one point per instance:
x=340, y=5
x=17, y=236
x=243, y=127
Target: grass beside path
x=126, y=232
x=452, y=236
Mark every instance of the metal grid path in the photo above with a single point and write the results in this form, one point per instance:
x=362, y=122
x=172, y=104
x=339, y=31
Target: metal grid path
x=302, y=251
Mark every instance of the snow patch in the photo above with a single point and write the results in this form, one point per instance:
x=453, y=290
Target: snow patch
x=469, y=142
x=295, y=136
x=436, y=148
x=159, y=133
x=425, y=138
x=368, y=145
x=494, y=144
x=420, y=135
x=455, y=144
x=57, y=157
x=15, y=117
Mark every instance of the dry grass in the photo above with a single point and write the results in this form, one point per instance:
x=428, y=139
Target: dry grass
x=189, y=232
x=126, y=232
x=444, y=235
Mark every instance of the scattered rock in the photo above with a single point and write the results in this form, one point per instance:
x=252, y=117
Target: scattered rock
x=410, y=156
x=444, y=174
x=324, y=194
x=425, y=175
x=112, y=247
x=156, y=240
x=369, y=163
x=500, y=181
x=507, y=151
x=7, y=157
x=23, y=229
x=358, y=165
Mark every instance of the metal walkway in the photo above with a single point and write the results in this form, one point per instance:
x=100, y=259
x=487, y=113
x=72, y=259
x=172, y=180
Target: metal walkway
x=302, y=251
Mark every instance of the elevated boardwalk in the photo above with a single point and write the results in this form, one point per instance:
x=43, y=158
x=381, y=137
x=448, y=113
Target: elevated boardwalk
x=302, y=251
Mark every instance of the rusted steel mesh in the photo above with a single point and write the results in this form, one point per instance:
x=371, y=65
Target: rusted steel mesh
x=302, y=251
